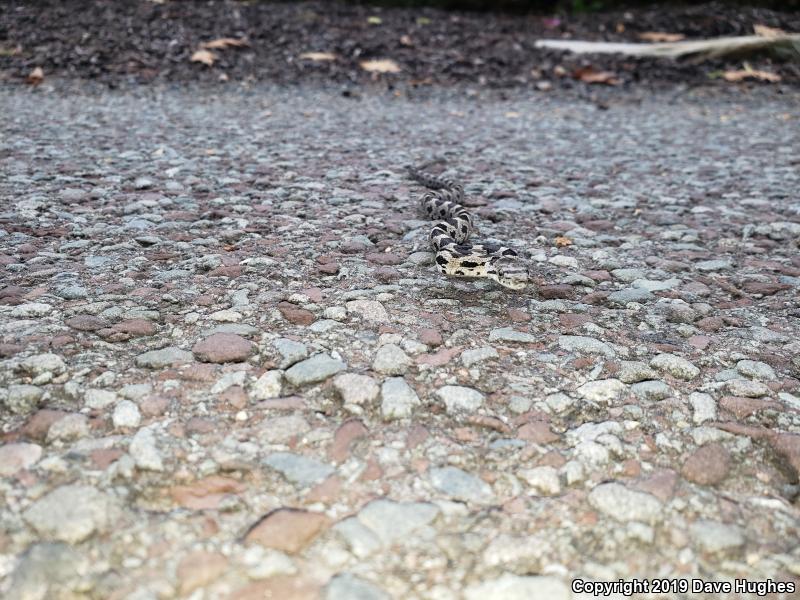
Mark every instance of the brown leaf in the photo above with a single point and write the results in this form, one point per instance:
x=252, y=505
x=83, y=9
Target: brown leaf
x=223, y=43
x=318, y=56
x=385, y=65
x=751, y=74
x=589, y=75
x=562, y=241
x=204, y=56
x=36, y=76
x=660, y=36
x=768, y=32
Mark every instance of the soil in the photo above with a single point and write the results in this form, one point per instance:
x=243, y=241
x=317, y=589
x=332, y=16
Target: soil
x=118, y=43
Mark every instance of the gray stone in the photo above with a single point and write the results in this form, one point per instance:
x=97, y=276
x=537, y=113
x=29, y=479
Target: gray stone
x=236, y=329
x=126, y=414
x=624, y=296
x=601, y=390
x=398, y=399
x=49, y=570
x=678, y=367
x=651, y=390
x=72, y=513
x=460, y=485
x=391, y=360
x=299, y=469
x=166, y=357
x=617, y=501
x=756, y=370
x=345, y=586
x=747, y=388
x=356, y=389
x=476, y=355
x=656, y=285
x=360, y=538
x=73, y=292
x=584, y=344
x=392, y=521
x=31, y=310
x=703, y=406
x=69, y=427
x=713, y=265
x=633, y=371
x=460, y=399
x=23, y=398
x=628, y=275
x=715, y=537
x=43, y=363
x=281, y=430
x=267, y=386
x=518, y=587
x=135, y=391
x=507, y=334
x=98, y=399
x=370, y=310
x=291, y=352
x=144, y=451
x=313, y=370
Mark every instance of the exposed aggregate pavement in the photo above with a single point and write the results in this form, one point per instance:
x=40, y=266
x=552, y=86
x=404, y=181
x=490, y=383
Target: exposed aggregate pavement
x=229, y=368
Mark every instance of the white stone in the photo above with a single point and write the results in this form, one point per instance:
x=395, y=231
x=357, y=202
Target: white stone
x=269, y=385
x=126, y=414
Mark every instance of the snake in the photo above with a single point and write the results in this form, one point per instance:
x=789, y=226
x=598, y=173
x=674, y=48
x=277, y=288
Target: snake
x=449, y=237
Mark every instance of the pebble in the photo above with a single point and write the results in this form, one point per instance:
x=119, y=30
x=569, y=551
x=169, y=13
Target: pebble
x=49, y=570
x=97, y=399
x=166, y=357
x=544, y=481
x=602, y=390
x=583, y=344
x=299, y=469
x=703, y=406
x=708, y=465
x=746, y=388
x=269, y=385
x=31, y=309
x=287, y=530
x=391, y=360
x=507, y=334
x=40, y=364
x=519, y=587
x=223, y=348
x=627, y=295
x=459, y=399
x=23, y=398
x=281, y=430
x=756, y=370
x=651, y=390
x=398, y=399
x=678, y=367
x=144, y=451
x=391, y=521
x=72, y=513
x=714, y=537
x=623, y=504
x=70, y=427
x=126, y=414
x=291, y=352
x=460, y=485
x=370, y=310
x=345, y=586
x=355, y=389
x=313, y=370
x=634, y=371
x=477, y=355
x=707, y=266
x=17, y=456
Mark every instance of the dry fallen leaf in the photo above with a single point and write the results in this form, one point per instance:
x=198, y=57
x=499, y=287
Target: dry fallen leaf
x=768, y=32
x=318, y=56
x=562, y=241
x=589, y=75
x=204, y=56
x=385, y=65
x=374, y=20
x=406, y=40
x=751, y=74
x=223, y=43
x=36, y=76
x=661, y=36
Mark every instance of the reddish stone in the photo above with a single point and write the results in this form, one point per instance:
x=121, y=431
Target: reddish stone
x=295, y=314
x=353, y=247
x=284, y=587
x=326, y=491
x=314, y=294
x=154, y=406
x=7, y=350
x=430, y=337
x=235, y=396
x=86, y=323
x=437, y=359
x=416, y=435
x=787, y=446
x=200, y=425
x=37, y=426
x=765, y=289
x=136, y=327
x=385, y=258
x=231, y=271
x=223, y=347
x=206, y=493
x=708, y=465
x=552, y=459
x=550, y=292
x=517, y=315
x=744, y=407
x=103, y=457
x=198, y=569
x=700, y=342
x=600, y=275
x=595, y=297
x=345, y=435
x=661, y=484
x=384, y=274
x=710, y=324
x=372, y=471
x=287, y=529
x=537, y=432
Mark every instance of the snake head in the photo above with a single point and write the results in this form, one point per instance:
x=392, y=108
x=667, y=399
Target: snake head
x=511, y=273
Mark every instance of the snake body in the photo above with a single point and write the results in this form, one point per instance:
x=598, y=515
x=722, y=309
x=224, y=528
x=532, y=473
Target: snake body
x=455, y=255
